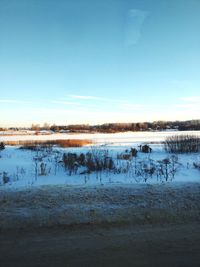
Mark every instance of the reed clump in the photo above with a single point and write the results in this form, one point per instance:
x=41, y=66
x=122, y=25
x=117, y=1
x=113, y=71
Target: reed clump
x=182, y=144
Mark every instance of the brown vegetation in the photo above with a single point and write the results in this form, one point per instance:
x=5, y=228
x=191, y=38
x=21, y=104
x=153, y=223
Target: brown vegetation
x=59, y=142
x=182, y=144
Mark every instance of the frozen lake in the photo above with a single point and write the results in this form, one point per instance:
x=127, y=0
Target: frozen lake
x=101, y=138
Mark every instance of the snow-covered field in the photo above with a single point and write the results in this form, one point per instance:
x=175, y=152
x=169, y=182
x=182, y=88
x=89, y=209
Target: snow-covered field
x=23, y=170
x=119, y=139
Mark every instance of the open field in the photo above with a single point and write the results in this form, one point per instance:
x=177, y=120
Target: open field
x=25, y=166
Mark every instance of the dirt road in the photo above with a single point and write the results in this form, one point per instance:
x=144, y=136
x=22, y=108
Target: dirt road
x=169, y=245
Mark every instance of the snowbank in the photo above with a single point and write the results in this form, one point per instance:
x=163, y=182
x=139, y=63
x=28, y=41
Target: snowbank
x=62, y=205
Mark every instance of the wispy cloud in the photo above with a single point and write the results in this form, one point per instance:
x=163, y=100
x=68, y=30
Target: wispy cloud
x=85, y=97
x=191, y=99
x=185, y=105
x=130, y=106
x=97, y=103
x=78, y=104
x=99, y=98
x=190, y=102
x=11, y=101
x=65, y=103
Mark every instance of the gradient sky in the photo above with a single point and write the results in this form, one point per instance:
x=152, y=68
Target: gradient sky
x=89, y=61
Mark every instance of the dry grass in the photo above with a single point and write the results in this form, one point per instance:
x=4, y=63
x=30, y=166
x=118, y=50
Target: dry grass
x=182, y=144
x=59, y=142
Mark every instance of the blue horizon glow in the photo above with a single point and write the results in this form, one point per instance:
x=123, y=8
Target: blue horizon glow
x=94, y=62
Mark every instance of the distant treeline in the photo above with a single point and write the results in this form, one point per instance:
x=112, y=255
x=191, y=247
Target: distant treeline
x=123, y=127
x=119, y=127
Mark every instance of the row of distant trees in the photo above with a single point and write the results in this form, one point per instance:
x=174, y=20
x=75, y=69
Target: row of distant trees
x=121, y=127
x=139, y=126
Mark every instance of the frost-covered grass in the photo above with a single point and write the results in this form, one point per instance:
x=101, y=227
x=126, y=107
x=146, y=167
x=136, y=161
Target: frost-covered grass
x=48, y=206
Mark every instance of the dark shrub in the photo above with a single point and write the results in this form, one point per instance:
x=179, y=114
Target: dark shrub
x=6, y=179
x=146, y=149
x=70, y=161
x=93, y=162
x=134, y=152
x=2, y=146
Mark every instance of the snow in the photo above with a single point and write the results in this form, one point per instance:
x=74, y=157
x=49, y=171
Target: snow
x=101, y=138
x=20, y=166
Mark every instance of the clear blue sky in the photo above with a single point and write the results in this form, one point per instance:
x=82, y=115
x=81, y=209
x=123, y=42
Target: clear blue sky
x=92, y=61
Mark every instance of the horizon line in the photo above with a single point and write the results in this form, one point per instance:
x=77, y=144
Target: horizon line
x=99, y=124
